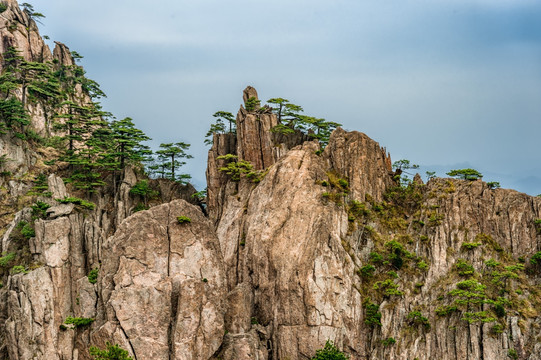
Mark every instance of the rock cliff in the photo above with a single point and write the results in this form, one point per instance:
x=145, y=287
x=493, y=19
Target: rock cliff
x=301, y=245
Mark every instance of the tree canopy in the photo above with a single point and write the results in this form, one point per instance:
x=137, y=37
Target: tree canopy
x=170, y=156
x=219, y=127
x=465, y=174
x=290, y=119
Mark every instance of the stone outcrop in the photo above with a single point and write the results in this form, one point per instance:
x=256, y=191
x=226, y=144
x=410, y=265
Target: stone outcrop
x=362, y=161
x=18, y=30
x=282, y=247
x=254, y=137
x=173, y=276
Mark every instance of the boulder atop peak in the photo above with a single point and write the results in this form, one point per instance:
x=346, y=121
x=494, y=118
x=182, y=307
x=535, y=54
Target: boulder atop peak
x=248, y=93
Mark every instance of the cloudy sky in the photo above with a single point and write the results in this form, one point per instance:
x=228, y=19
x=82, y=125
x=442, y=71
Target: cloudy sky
x=445, y=83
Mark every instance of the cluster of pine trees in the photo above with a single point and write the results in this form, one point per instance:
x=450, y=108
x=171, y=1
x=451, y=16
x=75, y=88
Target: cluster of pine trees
x=290, y=119
x=89, y=139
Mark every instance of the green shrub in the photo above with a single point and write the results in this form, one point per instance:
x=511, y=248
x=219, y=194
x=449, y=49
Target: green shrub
x=372, y=314
x=6, y=259
x=18, y=269
x=3, y=7
x=140, y=207
x=492, y=263
x=468, y=284
x=74, y=200
x=39, y=210
x=40, y=183
x=463, y=268
x=445, y=310
x=536, y=259
x=421, y=265
x=93, y=276
x=252, y=103
x=343, y=183
x=141, y=188
x=78, y=322
x=388, y=287
x=358, y=209
x=470, y=245
x=435, y=219
x=236, y=168
x=512, y=353
x=329, y=352
x=28, y=231
x=465, y=174
x=478, y=316
x=510, y=272
x=388, y=342
x=499, y=310
x=183, y=219
x=113, y=352
x=496, y=329
x=375, y=258
x=417, y=318
x=367, y=271
x=396, y=250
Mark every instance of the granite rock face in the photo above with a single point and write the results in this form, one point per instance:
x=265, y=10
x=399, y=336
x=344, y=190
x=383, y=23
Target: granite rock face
x=164, y=290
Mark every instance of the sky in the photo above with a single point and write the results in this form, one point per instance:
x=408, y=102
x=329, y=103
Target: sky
x=447, y=84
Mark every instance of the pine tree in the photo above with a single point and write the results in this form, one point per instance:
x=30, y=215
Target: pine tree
x=290, y=119
x=173, y=152
x=286, y=111
x=227, y=116
x=219, y=126
x=128, y=139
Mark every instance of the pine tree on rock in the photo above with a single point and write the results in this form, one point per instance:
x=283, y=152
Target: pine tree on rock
x=219, y=126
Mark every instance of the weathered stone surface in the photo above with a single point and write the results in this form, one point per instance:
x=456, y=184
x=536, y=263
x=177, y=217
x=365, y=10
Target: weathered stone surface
x=217, y=181
x=254, y=138
x=169, y=274
x=361, y=161
x=18, y=30
x=56, y=187
x=36, y=336
x=249, y=93
x=60, y=210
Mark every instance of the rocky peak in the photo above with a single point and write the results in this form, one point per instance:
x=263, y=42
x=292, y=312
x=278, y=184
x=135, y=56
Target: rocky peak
x=362, y=161
x=63, y=54
x=254, y=137
x=19, y=30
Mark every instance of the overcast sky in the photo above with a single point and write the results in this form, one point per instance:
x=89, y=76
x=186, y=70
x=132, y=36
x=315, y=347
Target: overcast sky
x=445, y=83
